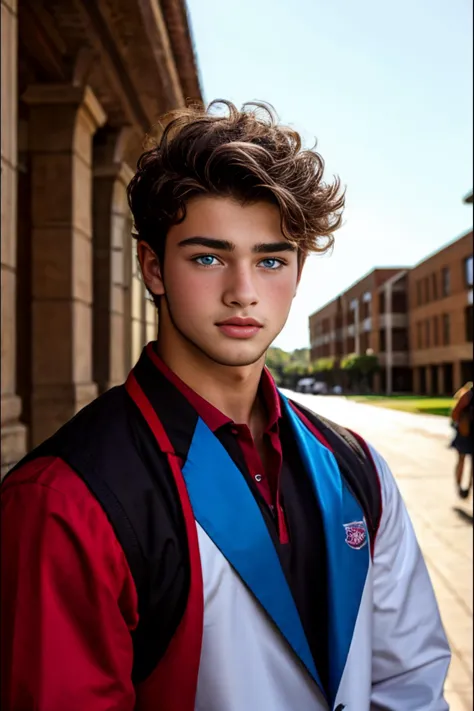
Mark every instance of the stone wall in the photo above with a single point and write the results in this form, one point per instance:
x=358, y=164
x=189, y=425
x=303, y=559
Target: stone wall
x=76, y=98
x=13, y=433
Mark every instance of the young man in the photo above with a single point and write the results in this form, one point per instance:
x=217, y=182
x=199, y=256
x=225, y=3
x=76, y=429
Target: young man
x=192, y=539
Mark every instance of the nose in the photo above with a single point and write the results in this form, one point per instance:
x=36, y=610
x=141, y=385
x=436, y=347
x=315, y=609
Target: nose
x=240, y=288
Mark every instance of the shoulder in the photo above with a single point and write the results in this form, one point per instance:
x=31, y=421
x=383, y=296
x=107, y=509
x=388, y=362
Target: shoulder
x=48, y=473
x=51, y=519
x=46, y=489
x=49, y=468
x=93, y=444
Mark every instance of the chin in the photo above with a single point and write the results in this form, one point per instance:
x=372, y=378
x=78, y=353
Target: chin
x=236, y=357
x=233, y=362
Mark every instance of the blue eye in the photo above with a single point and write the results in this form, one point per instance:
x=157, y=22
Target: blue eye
x=271, y=263
x=207, y=260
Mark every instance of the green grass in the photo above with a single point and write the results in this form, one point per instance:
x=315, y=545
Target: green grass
x=409, y=403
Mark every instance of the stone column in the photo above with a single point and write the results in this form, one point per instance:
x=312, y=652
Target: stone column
x=112, y=236
x=13, y=437
x=63, y=120
x=137, y=308
x=127, y=306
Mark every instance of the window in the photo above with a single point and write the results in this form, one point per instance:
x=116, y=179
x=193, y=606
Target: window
x=446, y=281
x=468, y=322
x=366, y=305
x=446, y=330
x=426, y=283
x=419, y=294
x=399, y=339
x=468, y=275
x=382, y=302
x=435, y=331
x=434, y=286
x=427, y=333
x=399, y=302
x=419, y=335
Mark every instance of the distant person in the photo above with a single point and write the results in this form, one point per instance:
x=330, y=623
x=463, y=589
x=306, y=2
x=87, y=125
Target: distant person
x=192, y=539
x=462, y=417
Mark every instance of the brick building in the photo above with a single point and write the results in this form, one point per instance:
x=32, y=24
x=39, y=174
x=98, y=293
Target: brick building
x=370, y=314
x=440, y=315
x=81, y=84
x=418, y=321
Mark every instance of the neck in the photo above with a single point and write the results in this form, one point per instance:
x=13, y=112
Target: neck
x=233, y=390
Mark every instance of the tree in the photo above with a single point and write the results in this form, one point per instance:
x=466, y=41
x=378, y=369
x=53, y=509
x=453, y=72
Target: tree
x=276, y=361
x=360, y=368
x=325, y=369
x=324, y=364
x=300, y=355
x=288, y=368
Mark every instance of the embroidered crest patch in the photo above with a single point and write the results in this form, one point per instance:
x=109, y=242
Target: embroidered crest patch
x=356, y=534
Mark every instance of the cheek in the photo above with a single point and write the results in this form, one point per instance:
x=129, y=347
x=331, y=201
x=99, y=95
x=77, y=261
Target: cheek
x=281, y=290
x=189, y=290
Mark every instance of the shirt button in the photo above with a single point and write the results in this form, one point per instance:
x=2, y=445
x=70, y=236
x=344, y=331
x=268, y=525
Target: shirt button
x=258, y=477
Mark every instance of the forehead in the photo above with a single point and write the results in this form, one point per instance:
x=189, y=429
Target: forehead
x=226, y=218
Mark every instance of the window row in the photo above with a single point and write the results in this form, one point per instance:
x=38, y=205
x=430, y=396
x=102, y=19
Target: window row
x=438, y=285
x=427, y=289
x=436, y=331
x=433, y=332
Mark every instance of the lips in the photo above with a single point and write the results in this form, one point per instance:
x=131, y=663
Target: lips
x=239, y=327
x=240, y=322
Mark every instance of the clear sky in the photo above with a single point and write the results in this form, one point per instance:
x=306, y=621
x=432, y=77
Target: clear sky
x=386, y=89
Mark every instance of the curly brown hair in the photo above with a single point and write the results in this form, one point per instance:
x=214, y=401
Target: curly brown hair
x=243, y=154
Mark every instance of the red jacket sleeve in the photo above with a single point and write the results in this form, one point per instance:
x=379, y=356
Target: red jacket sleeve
x=68, y=601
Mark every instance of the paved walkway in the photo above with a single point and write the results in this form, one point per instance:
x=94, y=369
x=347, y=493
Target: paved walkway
x=416, y=447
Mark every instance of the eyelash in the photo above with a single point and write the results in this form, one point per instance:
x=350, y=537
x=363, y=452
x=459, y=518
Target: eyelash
x=281, y=262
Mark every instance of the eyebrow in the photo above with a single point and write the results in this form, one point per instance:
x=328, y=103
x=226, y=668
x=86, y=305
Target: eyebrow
x=226, y=246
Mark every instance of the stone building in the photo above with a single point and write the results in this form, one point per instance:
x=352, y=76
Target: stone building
x=82, y=83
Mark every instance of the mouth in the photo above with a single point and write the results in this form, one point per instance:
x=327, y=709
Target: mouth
x=239, y=327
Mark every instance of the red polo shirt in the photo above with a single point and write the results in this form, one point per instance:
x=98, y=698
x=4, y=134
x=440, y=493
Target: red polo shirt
x=68, y=599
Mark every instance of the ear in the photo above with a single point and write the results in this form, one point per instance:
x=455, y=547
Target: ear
x=151, y=269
